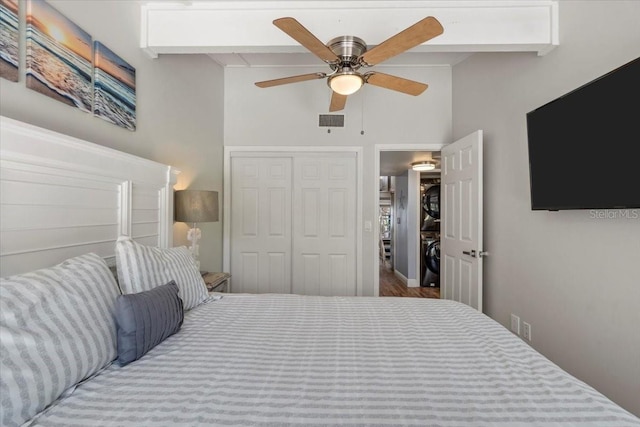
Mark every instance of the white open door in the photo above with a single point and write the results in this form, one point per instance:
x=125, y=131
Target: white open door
x=461, y=237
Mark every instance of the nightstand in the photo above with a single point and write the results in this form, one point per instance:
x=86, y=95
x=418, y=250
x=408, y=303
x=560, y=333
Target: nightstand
x=217, y=282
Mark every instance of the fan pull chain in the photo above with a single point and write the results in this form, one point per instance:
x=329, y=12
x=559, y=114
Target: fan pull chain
x=362, y=115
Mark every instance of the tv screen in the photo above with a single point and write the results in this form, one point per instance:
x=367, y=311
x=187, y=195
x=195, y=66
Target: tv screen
x=583, y=146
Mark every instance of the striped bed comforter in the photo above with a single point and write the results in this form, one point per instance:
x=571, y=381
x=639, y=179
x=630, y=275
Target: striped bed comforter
x=278, y=360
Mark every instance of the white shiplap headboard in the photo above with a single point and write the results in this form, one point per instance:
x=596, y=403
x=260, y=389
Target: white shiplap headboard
x=61, y=197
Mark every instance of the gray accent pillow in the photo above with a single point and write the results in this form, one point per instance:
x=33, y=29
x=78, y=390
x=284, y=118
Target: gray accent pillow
x=146, y=319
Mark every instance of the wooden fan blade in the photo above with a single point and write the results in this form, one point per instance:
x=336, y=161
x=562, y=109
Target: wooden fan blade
x=337, y=102
x=413, y=36
x=399, y=84
x=303, y=36
x=292, y=79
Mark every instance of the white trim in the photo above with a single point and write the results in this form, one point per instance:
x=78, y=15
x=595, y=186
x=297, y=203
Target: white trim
x=378, y=148
x=36, y=134
x=144, y=32
x=413, y=223
x=413, y=283
x=48, y=248
x=555, y=30
x=400, y=276
x=165, y=228
x=359, y=220
x=290, y=148
x=226, y=209
x=230, y=151
x=341, y=4
x=166, y=231
x=126, y=190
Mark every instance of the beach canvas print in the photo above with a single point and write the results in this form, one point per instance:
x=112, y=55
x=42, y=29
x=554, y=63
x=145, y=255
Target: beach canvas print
x=114, y=88
x=58, y=56
x=9, y=49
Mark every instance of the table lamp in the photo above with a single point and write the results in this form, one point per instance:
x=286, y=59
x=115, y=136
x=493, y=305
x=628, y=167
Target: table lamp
x=194, y=206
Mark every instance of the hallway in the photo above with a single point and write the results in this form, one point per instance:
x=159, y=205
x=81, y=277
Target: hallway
x=391, y=286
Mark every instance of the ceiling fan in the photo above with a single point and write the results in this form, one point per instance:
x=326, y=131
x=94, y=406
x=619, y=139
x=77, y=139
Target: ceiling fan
x=345, y=55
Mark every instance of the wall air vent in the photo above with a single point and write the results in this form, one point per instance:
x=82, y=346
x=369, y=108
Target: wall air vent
x=331, y=120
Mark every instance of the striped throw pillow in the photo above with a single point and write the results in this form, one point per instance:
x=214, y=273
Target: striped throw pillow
x=57, y=328
x=141, y=268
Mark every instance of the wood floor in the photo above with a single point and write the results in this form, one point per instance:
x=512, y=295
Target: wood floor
x=391, y=286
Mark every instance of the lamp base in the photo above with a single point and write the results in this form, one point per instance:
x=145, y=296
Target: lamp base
x=193, y=235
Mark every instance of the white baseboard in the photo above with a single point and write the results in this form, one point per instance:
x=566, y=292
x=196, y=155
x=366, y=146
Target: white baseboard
x=400, y=276
x=413, y=283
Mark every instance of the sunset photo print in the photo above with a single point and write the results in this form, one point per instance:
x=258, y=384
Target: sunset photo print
x=9, y=35
x=59, y=56
x=114, y=88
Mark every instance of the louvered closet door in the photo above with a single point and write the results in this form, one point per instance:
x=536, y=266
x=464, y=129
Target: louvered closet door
x=261, y=224
x=324, y=224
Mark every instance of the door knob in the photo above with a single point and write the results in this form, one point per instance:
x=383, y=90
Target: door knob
x=471, y=253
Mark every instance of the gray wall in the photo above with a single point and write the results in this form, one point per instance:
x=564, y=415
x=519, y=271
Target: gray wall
x=180, y=108
x=288, y=115
x=574, y=278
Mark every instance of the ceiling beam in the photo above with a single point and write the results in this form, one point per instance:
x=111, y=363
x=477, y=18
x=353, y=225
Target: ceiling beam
x=213, y=27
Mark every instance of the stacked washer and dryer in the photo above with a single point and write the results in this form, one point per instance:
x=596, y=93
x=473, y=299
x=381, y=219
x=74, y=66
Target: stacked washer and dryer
x=430, y=233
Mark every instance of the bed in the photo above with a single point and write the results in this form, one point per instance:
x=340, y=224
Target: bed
x=236, y=359
x=285, y=360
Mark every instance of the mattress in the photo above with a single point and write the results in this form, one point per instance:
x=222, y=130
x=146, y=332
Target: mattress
x=281, y=360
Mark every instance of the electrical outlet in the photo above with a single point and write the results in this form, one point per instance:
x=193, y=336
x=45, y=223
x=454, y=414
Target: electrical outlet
x=515, y=324
x=526, y=331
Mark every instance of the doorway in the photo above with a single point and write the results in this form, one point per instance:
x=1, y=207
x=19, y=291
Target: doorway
x=406, y=215
x=462, y=212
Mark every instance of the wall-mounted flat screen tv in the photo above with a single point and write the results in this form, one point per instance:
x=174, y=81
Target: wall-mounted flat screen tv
x=584, y=146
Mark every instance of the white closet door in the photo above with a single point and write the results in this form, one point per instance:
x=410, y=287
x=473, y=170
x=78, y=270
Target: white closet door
x=261, y=224
x=324, y=224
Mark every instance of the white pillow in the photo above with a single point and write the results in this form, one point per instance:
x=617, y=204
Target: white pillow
x=57, y=328
x=141, y=268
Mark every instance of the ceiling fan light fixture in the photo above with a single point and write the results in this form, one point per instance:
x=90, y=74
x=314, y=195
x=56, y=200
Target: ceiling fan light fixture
x=423, y=166
x=345, y=55
x=346, y=83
